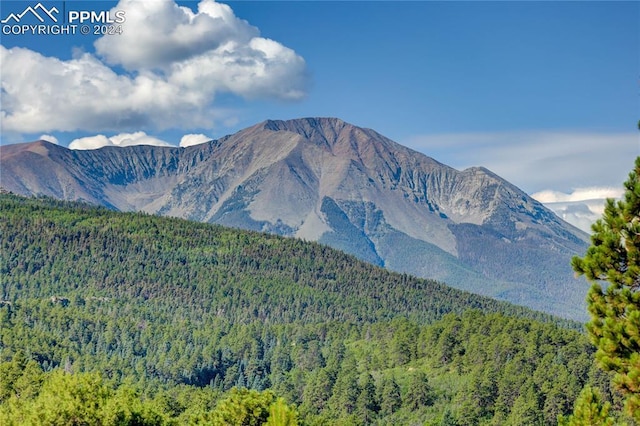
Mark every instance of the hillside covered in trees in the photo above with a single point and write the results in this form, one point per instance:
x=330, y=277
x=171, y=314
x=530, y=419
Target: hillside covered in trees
x=134, y=319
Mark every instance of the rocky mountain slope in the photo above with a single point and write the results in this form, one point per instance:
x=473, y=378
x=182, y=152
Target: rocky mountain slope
x=325, y=180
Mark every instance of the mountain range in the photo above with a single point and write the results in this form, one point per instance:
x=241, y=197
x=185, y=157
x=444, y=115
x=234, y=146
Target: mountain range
x=325, y=180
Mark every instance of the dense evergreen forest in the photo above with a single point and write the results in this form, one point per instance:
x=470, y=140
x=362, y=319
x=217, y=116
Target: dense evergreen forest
x=114, y=318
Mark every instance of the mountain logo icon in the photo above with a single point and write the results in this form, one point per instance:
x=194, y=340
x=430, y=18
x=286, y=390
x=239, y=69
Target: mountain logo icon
x=50, y=13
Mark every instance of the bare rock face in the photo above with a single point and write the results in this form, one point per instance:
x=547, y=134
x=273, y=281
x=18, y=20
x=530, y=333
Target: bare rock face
x=325, y=180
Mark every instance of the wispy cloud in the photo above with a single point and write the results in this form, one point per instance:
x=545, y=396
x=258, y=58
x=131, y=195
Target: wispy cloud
x=536, y=161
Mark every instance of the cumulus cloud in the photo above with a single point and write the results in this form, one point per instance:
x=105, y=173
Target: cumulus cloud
x=49, y=138
x=46, y=93
x=580, y=207
x=122, y=139
x=261, y=69
x=177, y=61
x=193, y=139
x=91, y=142
x=157, y=34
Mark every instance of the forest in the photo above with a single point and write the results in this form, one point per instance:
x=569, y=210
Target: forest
x=131, y=319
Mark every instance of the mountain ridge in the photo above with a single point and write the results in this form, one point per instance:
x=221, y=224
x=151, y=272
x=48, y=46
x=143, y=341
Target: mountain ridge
x=326, y=180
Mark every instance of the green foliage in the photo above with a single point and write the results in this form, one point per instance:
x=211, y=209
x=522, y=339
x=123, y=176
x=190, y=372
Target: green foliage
x=76, y=399
x=500, y=361
x=244, y=407
x=614, y=256
x=165, y=321
x=281, y=414
x=419, y=392
x=86, y=399
x=390, y=396
x=526, y=409
x=589, y=410
x=317, y=391
x=367, y=403
x=21, y=378
x=346, y=389
x=75, y=254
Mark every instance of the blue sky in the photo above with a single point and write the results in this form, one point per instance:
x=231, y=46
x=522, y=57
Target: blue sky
x=545, y=94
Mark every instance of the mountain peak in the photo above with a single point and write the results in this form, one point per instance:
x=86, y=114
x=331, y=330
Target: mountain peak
x=306, y=124
x=340, y=138
x=323, y=179
x=40, y=147
x=43, y=142
x=320, y=130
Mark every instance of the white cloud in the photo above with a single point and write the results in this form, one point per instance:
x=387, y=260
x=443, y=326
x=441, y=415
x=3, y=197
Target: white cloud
x=123, y=139
x=137, y=138
x=178, y=62
x=49, y=138
x=47, y=94
x=193, y=139
x=91, y=142
x=538, y=160
x=580, y=214
x=581, y=207
x=157, y=33
x=262, y=68
x=579, y=194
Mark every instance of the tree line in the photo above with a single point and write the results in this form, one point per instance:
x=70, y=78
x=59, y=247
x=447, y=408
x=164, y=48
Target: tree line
x=172, y=320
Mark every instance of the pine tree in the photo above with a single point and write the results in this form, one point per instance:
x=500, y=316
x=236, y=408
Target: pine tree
x=391, y=398
x=419, y=393
x=345, y=390
x=317, y=391
x=244, y=407
x=526, y=410
x=280, y=414
x=448, y=419
x=589, y=410
x=367, y=403
x=9, y=373
x=614, y=256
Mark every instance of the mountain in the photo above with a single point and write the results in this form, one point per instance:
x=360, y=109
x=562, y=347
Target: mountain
x=325, y=180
